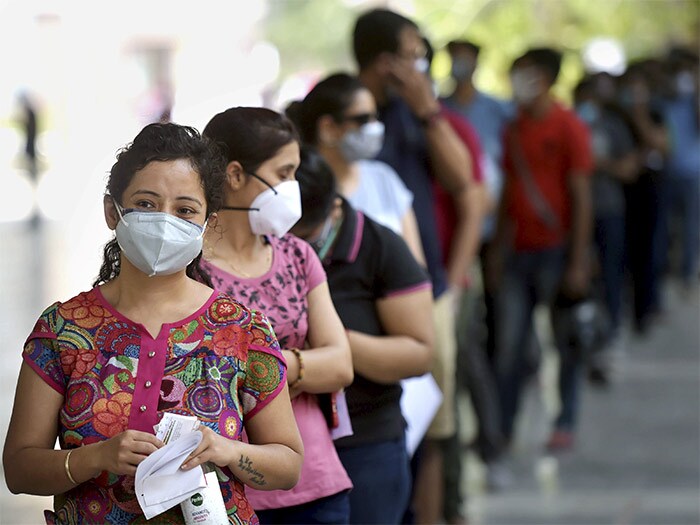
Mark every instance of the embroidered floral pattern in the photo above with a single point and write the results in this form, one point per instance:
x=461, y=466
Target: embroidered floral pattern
x=83, y=312
x=280, y=294
x=76, y=363
x=112, y=414
x=83, y=349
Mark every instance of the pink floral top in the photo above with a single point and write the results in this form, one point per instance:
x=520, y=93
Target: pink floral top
x=221, y=364
x=281, y=293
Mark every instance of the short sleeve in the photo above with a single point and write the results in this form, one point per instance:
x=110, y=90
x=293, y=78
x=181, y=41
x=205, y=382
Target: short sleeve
x=41, y=350
x=471, y=142
x=580, y=155
x=315, y=274
x=398, y=272
x=266, y=370
x=381, y=194
x=397, y=189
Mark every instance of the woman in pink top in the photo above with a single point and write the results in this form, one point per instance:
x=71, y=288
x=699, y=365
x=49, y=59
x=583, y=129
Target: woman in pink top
x=249, y=255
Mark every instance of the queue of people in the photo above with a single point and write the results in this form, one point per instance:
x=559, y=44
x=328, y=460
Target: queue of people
x=279, y=277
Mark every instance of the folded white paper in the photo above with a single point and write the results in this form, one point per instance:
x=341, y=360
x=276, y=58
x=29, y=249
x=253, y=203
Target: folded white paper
x=420, y=402
x=160, y=483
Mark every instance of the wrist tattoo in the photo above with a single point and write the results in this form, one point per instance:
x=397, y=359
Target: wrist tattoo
x=246, y=465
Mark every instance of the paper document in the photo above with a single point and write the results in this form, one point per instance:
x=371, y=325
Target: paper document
x=420, y=401
x=344, y=427
x=160, y=483
x=173, y=426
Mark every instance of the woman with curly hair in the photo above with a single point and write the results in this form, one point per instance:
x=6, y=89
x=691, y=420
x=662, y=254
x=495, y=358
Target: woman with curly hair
x=101, y=369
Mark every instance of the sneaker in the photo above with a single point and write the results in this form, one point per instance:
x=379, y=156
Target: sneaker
x=598, y=376
x=560, y=441
x=498, y=476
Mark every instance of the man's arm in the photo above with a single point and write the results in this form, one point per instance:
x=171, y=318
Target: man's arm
x=465, y=241
x=576, y=278
x=448, y=155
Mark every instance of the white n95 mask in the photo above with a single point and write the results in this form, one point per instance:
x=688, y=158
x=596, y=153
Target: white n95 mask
x=275, y=210
x=363, y=143
x=158, y=243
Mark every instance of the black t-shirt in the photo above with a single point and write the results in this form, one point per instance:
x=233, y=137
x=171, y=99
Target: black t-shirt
x=370, y=262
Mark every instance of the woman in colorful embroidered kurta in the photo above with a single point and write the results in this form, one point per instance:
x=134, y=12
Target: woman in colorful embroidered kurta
x=100, y=369
x=249, y=255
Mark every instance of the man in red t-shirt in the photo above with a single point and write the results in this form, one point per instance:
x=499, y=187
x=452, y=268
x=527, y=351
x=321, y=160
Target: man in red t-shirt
x=544, y=230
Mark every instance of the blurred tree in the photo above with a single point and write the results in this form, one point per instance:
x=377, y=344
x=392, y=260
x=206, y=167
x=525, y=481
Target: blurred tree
x=311, y=34
x=314, y=35
x=505, y=28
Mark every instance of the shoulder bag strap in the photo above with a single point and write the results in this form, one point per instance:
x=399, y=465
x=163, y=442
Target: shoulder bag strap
x=532, y=191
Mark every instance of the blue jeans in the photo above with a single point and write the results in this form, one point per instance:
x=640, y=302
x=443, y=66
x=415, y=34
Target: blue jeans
x=530, y=278
x=645, y=200
x=331, y=510
x=685, y=201
x=381, y=478
x=610, y=241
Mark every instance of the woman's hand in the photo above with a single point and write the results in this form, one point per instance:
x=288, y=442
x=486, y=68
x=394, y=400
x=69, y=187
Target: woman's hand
x=122, y=453
x=214, y=448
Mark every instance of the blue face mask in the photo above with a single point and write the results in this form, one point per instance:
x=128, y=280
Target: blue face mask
x=588, y=112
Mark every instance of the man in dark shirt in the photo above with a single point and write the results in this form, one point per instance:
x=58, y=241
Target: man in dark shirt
x=419, y=143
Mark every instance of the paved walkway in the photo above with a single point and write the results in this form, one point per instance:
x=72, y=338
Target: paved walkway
x=638, y=450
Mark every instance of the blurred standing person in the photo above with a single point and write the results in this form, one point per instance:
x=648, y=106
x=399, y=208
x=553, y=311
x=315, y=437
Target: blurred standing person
x=30, y=126
x=384, y=300
x=683, y=118
x=489, y=118
x=101, y=369
x=249, y=255
x=420, y=145
x=458, y=214
x=339, y=118
x=645, y=198
x=543, y=238
x=459, y=219
x=615, y=165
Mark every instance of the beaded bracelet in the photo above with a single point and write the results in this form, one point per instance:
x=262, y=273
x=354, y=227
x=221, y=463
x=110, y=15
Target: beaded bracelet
x=67, y=467
x=297, y=353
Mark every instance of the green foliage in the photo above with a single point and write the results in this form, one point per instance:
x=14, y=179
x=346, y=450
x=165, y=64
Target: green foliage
x=311, y=34
x=316, y=34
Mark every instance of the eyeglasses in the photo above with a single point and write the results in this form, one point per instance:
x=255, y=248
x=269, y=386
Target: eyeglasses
x=416, y=54
x=360, y=119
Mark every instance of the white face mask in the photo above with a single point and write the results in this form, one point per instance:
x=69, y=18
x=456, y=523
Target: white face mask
x=422, y=65
x=158, y=243
x=363, y=143
x=275, y=210
x=525, y=88
x=685, y=83
x=462, y=69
